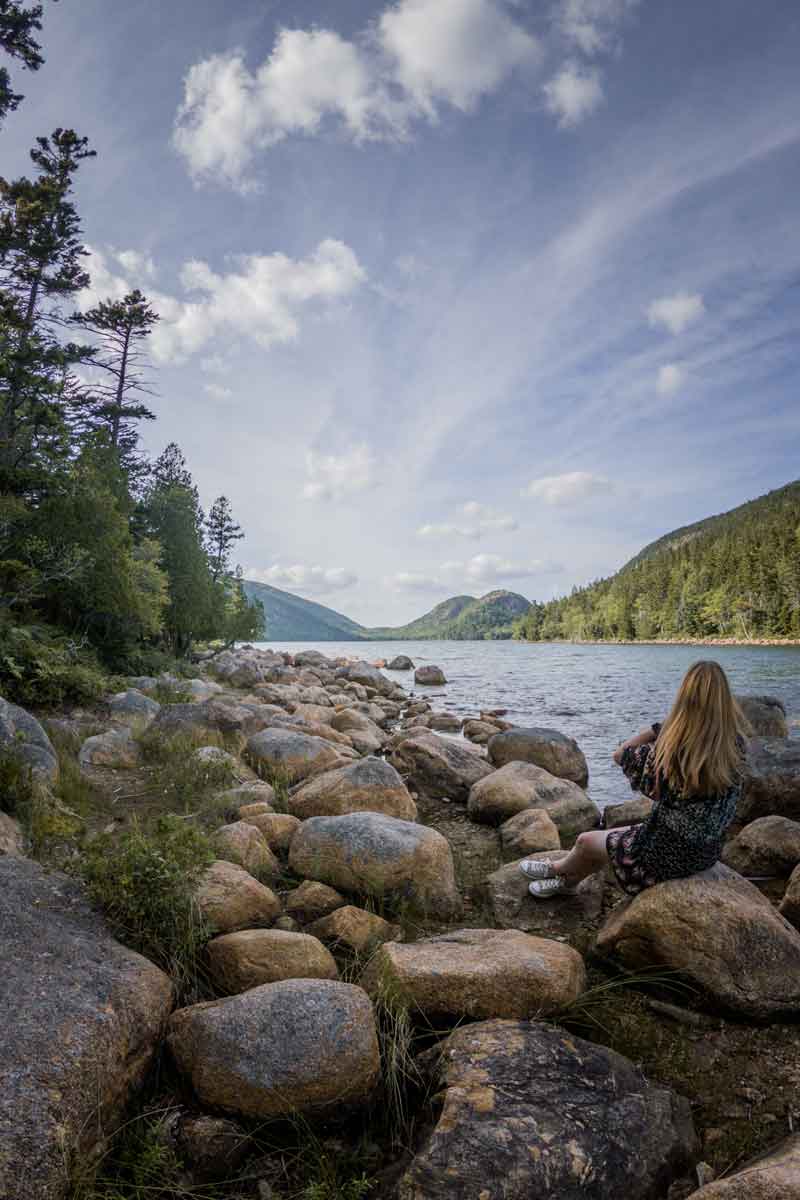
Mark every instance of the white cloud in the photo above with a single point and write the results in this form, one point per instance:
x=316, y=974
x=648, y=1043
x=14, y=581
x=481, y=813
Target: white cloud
x=410, y=581
x=218, y=391
x=261, y=299
x=419, y=54
x=670, y=379
x=573, y=94
x=677, y=312
x=448, y=531
x=333, y=476
x=483, y=520
x=311, y=581
x=480, y=570
x=590, y=24
x=136, y=264
x=569, y=488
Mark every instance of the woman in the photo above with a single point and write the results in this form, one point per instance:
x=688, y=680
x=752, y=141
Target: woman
x=690, y=767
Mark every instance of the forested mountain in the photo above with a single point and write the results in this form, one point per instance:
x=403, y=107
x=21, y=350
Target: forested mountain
x=733, y=575
x=463, y=618
x=292, y=619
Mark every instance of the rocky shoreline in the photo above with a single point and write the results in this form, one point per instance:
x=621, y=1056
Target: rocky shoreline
x=368, y=950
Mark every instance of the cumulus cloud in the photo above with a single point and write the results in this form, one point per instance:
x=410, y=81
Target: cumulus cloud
x=411, y=581
x=573, y=94
x=136, y=264
x=677, y=312
x=590, y=25
x=218, y=391
x=310, y=581
x=480, y=570
x=670, y=379
x=261, y=298
x=483, y=520
x=334, y=476
x=569, y=488
x=419, y=55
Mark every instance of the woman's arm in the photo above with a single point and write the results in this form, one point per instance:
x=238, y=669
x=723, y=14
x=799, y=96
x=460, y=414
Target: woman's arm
x=642, y=738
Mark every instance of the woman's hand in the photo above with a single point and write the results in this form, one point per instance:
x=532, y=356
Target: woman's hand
x=640, y=739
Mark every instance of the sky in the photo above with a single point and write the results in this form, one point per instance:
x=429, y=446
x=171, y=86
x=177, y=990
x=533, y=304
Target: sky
x=455, y=295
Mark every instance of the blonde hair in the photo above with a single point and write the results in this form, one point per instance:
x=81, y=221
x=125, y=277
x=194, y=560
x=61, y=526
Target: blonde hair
x=697, y=750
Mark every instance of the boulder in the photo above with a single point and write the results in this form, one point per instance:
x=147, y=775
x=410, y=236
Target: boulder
x=282, y=695
x=478, y=732
x=529, y=1111
x=212, y=1148
x=629, y=812
x=300, y=724
x=245, y=794
x=369, y=785
x=527, y=833
x=375, y=855
x=401, y=662
x=295, y=756
x=260, y=808
x=771, y=783
x=790, y=904
x=546, y=748
x=298, y=1047
x=773, y=1175
x=134, y=707
x=417, y=708
x=229, y=899
x=315, y=697
x=117, y=748
x=238, y=961
x=717, y=931
x=767, y=846
x=430, y=676
x=312, y=901
x=368, y=676
x=12, y=839
x=476, y=974
x=215, y=756
x=277, y=828
x=519, y=786
x=353, y=929
x=84, y=1017
x=766, y=715
x=439, y=767
x=243, y=844
x=350, y=721
x=23, y=736
x=570, y=918
x=314, y=714
x=444, y=722
x=200, y=689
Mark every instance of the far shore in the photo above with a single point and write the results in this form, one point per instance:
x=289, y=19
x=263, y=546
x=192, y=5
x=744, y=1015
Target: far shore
x=663, y=642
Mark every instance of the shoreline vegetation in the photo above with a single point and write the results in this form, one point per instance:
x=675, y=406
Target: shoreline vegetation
x=706, y=641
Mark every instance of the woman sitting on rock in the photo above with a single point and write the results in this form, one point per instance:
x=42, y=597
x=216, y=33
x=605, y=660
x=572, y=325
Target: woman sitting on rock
x=691, y=768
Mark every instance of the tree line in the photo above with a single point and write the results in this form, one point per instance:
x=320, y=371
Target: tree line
x=735, y=575
x=106, y=557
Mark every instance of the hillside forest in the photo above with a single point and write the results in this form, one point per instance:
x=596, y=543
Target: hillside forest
x=731, y=576
x=107, y=559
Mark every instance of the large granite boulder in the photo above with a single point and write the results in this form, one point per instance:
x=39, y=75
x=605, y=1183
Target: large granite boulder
x=12, y=838
x=353, y=929
x=368, y=676
x=529, y=1111
x=117, y=748
x=519, y=786
x=547, y=748
x=628, y=812
x=717, y=931
x=350, y=720
x=773, y=1175
x=238, y=961
x=767, y=846
x=22, y=736
x=312, y=901
x=439, y=767
x=528, y=833
x=133, y=707
x=400, y=662
x=771, y=782
x=83, y=1020
x=241, y=843
x=278, y=829
x=217, y=716
x=790, y=904
x=292, y=755
x=369, y=785
x=766, y=715
x=299, y=1047
x=229, y=898
x=475, y=974
x=573, y=918
x=374, y=855
x=430, y=676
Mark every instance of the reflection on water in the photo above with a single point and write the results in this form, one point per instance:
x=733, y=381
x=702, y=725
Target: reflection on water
x=597, y=694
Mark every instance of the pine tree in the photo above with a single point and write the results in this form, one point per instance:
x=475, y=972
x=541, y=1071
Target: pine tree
x=17, y=27
x=221, y=534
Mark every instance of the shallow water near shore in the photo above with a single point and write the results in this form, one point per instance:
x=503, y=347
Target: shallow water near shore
x=597, y=694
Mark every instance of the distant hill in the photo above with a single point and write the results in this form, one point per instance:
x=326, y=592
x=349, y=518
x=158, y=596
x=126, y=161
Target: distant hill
x=293, y=619
x=733, y=575
x=463, y=618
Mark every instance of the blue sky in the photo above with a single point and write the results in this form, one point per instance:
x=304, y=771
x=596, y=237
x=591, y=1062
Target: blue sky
x=455, y=294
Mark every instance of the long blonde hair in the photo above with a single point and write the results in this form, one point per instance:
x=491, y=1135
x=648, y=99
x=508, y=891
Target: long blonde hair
x=697, y=750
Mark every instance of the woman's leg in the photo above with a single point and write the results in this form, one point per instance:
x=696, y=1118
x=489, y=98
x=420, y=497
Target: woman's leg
x=589, y=854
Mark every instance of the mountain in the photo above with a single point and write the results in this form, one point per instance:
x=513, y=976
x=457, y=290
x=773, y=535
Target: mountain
x=463, y=618
x=292, y=619
x=732, y=575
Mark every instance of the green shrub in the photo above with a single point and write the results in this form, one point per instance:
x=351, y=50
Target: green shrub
x=38, y=668
x=144, y=882
x=181, y=779
x=141, y=1165
x=16, y=787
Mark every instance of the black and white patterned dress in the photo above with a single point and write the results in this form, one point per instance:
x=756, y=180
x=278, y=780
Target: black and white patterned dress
x=680, y=836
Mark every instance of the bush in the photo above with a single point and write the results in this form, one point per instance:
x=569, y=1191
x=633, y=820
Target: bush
x=179, y=777
x=38, y=668
x=16, y=788
x=144, y=882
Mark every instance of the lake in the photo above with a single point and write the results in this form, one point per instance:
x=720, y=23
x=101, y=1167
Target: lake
x=598, y=695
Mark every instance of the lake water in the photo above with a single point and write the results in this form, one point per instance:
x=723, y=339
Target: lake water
x=598, y=695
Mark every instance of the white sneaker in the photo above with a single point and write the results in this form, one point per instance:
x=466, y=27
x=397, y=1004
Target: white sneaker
x=537, y=868
x=543, y=889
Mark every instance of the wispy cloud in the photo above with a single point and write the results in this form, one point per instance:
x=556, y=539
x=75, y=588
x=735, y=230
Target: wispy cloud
x=334, y=476
x=308, y=580
x=670, y=379
x=573, y=94
x=572, y=487
x=483, y=520
x=677, y=312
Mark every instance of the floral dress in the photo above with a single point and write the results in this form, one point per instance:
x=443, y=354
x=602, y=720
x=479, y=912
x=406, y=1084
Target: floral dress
x=679, y=837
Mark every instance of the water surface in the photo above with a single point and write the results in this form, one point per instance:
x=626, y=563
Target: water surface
x=597, y=694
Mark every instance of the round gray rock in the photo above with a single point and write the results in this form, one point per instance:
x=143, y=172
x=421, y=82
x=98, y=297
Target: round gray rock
x=369, y=785
x=547, y=748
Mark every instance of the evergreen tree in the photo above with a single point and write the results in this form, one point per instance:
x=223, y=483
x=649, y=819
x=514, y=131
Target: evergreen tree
x=17, y=27
x=221, y=534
